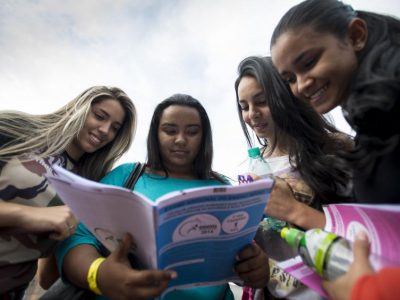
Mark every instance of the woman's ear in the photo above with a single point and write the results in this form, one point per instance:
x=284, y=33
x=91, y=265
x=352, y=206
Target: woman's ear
x=358, y=33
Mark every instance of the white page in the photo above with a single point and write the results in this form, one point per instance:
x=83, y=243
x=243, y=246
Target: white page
x=109, y=212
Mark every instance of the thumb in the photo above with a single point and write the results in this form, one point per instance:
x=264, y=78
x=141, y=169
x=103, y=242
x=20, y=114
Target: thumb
x=121, y=252
x=361, y=249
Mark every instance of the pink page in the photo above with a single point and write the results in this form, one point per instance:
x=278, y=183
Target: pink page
x=380, y=222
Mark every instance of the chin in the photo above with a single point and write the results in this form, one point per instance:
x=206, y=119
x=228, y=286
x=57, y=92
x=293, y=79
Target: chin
x=262, y=135
x=329, y=104
x=91, y=149
x=322, y=107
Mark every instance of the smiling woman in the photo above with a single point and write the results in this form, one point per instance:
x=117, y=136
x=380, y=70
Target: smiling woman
x=302, y=150
x=312, y=43
x=317, y=66
x=102, y=123
x=97, y=126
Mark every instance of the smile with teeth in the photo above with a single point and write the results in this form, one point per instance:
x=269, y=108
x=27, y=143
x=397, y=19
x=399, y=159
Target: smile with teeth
x=259, y=126
x=94, y=139
x=318, y=93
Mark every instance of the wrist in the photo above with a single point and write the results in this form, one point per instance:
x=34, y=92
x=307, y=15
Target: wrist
x=92, y=276
x=295, y=215
x=307, y=217
x=18, y=216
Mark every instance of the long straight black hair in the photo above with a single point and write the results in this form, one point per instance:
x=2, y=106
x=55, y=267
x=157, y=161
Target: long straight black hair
x=311, y=142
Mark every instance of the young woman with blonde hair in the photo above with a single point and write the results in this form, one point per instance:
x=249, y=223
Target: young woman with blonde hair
x=87, y=135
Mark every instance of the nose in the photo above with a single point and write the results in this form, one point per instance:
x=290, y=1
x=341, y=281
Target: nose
x=105, y=128
x=254, y=113
x=180, y=139
x=303, y=85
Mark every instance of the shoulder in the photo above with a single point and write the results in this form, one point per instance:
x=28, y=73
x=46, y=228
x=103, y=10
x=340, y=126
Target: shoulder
x=118, y=175
x=220, y=178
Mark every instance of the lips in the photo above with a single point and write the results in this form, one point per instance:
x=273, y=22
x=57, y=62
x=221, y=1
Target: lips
x=94, y=140
x=318, y=94
x=179, y=152
x=260, y=126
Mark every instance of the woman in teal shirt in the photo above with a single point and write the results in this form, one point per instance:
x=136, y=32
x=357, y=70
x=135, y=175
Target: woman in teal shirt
x=180, y=154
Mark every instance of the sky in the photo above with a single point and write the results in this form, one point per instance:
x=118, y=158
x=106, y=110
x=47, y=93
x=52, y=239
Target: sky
x=50, y=51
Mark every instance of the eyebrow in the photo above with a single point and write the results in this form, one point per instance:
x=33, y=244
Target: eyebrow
x=194, y=125
x=168, y=125
x=256, y=96
x=300, y=56
x=102, y=111
x=295, y=62
x=174, y=125
x=108, y=115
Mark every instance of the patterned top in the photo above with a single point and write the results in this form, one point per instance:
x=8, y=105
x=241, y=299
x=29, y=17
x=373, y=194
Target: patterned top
x=22, y=181
x=282, y=284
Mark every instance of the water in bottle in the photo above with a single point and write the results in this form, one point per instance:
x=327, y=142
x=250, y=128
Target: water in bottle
x=268, y=233
x=257, y=166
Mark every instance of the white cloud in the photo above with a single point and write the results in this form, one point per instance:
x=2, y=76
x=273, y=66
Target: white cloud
x=50, y=51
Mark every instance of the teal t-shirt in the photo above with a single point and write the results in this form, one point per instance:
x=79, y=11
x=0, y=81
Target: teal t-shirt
x=153, y=187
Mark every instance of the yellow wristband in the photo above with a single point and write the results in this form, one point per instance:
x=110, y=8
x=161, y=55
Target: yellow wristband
x=92, y=275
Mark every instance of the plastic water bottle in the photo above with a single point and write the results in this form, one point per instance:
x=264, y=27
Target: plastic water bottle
x=325, y=252
x=257, y=164
x=268, y=232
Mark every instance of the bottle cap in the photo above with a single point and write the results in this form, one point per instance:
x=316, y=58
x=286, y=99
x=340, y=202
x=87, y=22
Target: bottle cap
x=291, y=235
x=254, y=152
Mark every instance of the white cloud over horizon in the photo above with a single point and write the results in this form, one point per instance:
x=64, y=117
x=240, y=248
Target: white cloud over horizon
x=50, y=51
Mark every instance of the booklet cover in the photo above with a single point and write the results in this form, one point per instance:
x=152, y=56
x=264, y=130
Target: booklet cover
x=196, y=232
x=380, y=222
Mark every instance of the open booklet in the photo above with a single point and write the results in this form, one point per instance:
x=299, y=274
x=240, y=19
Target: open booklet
x=380, y=222
x=196, y=232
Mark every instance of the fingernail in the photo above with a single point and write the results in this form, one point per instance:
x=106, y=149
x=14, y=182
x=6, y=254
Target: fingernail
x=361, y=236
x=237, y=258
x=174, y=275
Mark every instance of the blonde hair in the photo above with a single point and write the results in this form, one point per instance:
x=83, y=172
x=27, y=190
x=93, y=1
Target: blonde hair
x=50, y=134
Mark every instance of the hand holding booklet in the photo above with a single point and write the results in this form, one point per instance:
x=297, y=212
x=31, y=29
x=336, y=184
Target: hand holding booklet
x=196, y=232
x=380, y=222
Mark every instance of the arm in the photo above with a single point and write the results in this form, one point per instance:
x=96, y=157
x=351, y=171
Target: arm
x=383, y=285
x=47, y=272
x=58, y=220
x=283, y=205
x=115, y=278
